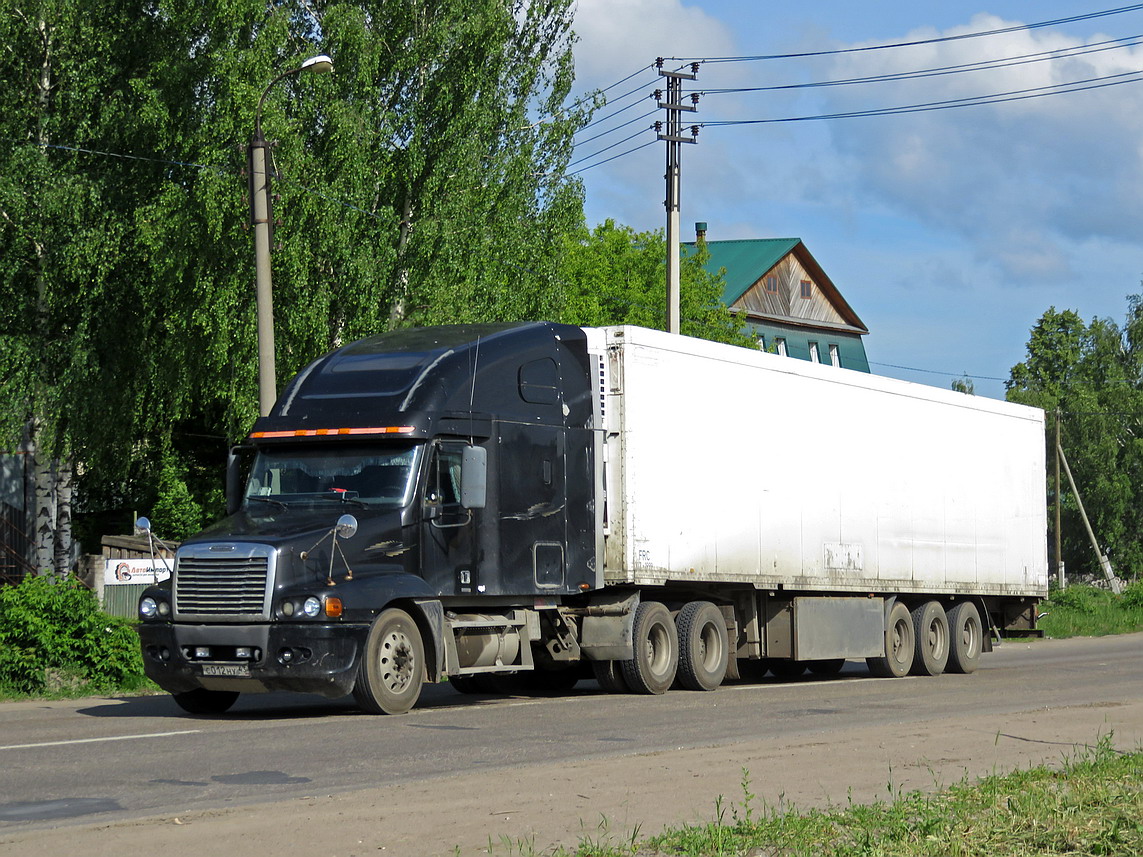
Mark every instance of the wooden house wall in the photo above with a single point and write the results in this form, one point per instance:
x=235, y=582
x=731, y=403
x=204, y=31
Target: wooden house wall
x=787, y=301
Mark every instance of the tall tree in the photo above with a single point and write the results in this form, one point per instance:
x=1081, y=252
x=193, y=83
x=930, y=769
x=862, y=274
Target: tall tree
x=423, y=182
x=1092, y=374
x=614, y=275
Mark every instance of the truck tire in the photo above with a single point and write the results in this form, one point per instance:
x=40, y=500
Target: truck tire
x=899, y=644
x=465, y=684
x=703, y=646
x=827, y=667
x=551, y=682
x=753, y=669
x=966, y=638
x=203, y=701
x=392, y=666
x=609, y=674
x=656, y=644
x=931, y=632
x=786, y=669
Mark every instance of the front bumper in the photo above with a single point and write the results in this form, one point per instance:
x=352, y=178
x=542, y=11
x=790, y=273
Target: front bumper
x=302, y=657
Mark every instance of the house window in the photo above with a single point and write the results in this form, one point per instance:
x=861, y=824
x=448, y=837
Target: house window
x=772, y=285
x=780, y=345
x=760, y=342
x=834, y=355
x=814, y=356
x=807, y=289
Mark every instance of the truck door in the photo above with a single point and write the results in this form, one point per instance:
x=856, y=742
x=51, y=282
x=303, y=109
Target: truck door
x=448, y=560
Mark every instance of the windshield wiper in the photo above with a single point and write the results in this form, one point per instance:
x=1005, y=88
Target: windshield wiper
x=275, y=500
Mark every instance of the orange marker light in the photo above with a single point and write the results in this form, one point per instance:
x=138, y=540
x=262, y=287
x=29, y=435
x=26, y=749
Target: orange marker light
x=325, y=432
x=333, y=608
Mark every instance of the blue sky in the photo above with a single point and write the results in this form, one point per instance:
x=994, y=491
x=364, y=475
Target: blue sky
x=949, y=232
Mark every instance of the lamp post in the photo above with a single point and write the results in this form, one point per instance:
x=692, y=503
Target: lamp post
x=260, y=218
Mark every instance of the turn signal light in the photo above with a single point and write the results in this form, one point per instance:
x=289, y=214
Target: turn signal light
x=333, y=607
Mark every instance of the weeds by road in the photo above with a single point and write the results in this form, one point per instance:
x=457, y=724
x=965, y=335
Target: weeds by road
x=1092, y=804
x=1086, y=611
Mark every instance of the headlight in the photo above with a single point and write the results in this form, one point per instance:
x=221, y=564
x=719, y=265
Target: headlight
x=164, y=609
x=148, y=608
x=311, y=607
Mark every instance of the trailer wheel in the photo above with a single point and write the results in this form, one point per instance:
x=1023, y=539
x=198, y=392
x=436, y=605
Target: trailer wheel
x=753, y=669
x=966, y=637
x=827, y=667
x=703, y=646
x=656, y=645
x=786, y=669
x=899, y=644
x=931, y=632
x=393, y=665
x=203, y=701
x=609, y=674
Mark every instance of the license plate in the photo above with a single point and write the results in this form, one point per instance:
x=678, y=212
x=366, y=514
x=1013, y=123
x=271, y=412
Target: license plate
x=231, y=670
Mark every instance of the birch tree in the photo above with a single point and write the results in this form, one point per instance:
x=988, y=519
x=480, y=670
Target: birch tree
x=423, y=182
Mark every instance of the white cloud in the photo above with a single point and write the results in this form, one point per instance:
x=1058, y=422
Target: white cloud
x=1017, y=179
x=616, y=37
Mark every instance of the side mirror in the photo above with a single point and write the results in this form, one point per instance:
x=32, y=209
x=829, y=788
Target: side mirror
x=474, y=477
x=142, y=526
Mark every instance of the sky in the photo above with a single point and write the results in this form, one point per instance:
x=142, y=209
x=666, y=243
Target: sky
x=948, y=231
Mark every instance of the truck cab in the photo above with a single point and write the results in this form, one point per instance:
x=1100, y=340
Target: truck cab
x=416, y=475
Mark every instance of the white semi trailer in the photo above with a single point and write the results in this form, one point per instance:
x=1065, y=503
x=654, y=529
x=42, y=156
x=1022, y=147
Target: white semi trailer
x=533, y=499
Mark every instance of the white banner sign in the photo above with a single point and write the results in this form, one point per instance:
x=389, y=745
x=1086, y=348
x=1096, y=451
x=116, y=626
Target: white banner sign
x=119, y=571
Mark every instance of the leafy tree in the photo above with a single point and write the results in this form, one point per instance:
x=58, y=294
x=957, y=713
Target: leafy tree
x=422, y=182
x=615, y=275
x=964, y=385
x=1091, y=374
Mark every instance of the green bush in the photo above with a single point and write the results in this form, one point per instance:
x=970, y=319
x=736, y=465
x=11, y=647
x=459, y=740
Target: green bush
x=55, y=639
x=1081, y=610
x=1133, y=595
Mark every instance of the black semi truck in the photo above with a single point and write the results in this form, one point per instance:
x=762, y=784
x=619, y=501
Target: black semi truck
x=549, y=502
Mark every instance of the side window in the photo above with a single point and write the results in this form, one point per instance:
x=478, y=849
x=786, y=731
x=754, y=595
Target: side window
x=444, y=478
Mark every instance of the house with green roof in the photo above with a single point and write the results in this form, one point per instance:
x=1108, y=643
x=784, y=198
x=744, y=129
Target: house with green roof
x=788, y=301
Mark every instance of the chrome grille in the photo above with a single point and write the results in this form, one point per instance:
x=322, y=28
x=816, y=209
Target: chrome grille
x=224, y=581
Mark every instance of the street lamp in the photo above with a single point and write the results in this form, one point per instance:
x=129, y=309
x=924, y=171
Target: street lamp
x=260, y=218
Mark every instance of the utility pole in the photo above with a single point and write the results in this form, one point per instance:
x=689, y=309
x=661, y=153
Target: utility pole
x=674, y=138
x=1061, y=579
x=1114, y=582
x=261, y=218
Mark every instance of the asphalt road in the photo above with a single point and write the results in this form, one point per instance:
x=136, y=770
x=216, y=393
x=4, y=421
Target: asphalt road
x=108, y=761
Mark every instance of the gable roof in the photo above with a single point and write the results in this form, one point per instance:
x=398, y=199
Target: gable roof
x=747, y=261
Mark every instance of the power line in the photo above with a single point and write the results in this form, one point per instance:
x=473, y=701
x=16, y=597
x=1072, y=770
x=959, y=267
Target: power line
x=612, y=146
x=613, y=158
x=617, y=127
x=953, y=103
x=938, y=372
x=936, y=40
x=125, y=157
x=982, y=65
x=612, y=115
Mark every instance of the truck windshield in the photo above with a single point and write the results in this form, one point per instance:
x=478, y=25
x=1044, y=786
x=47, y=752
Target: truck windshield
x=366, y=475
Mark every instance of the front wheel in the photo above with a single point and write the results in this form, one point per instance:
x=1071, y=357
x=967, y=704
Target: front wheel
x=393, y=665
x=203, y=701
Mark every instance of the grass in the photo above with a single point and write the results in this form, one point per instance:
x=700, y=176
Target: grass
x=1091, y=805
x=1086, y=611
